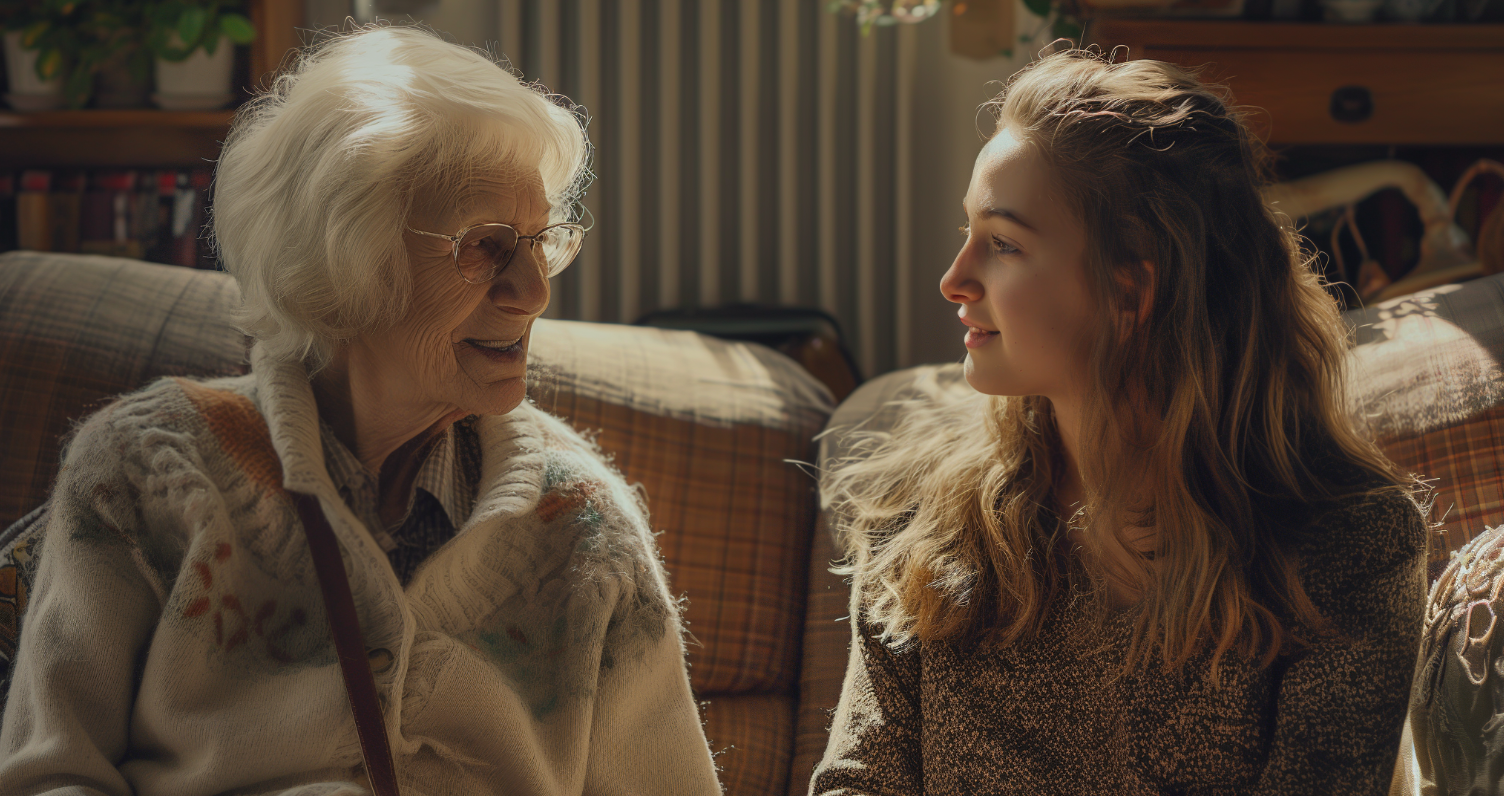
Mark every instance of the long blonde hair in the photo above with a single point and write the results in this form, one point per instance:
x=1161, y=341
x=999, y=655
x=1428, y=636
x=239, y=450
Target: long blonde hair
x=949, y=521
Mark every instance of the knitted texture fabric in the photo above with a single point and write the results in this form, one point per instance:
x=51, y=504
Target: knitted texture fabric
x=176, y=640
x=1057, y=714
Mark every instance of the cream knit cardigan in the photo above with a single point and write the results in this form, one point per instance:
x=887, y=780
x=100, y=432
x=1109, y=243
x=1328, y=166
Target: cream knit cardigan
x=176, y=640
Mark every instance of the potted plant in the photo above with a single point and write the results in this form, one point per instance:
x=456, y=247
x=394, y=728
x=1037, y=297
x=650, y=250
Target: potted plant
x=116, y=53
x=35, y=75
x=56, y=48
x=192, y=40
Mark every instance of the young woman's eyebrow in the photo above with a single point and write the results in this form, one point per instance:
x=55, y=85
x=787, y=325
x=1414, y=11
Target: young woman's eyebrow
x=1002, y=212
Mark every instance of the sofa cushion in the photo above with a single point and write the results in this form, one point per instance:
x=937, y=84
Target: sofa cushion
x=710, y=429
x=752, y=738
x=1427, y=377
x=78, y=330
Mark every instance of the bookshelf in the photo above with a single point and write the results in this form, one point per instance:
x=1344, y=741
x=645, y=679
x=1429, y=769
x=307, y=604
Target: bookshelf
x=131, y=183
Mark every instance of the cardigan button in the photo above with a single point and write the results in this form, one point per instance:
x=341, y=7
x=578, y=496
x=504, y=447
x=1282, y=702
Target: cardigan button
x=380, y=659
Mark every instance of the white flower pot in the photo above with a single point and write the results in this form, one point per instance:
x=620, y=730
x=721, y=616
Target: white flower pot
x=27, y=91
x=198, y=83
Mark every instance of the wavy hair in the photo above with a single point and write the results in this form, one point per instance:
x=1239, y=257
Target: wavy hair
x=1225, y=405
x=320, y=172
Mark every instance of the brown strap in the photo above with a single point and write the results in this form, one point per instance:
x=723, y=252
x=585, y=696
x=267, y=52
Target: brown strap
x=344, y=625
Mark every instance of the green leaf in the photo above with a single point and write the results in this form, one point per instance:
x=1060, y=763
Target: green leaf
x=191, y=26
x=238, y=28
x=32, y=36
x=211, y=38
x=1039, y=8
x=49, y=63
x=1066, y=29
x=78, y=87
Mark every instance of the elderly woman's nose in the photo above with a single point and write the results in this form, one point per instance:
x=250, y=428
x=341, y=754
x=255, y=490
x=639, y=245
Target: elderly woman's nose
x=521, y=287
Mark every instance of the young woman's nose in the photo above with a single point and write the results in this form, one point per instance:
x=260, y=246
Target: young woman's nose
x=959, y=284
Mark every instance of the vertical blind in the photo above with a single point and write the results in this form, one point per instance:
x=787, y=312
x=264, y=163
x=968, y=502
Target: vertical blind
x=747, y=151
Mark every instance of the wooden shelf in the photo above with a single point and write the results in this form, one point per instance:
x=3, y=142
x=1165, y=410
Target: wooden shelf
x=1420, y=84
x=1204, y=35
x=117, y=118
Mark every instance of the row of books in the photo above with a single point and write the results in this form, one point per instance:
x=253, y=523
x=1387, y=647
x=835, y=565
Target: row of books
x=155, y=215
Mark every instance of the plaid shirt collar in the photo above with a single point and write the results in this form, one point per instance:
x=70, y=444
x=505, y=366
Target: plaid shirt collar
x=438, y=476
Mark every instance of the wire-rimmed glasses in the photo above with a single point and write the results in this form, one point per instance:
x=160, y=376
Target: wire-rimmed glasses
x=483, y=251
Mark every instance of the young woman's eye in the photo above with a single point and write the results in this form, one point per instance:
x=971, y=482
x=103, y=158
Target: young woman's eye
x=1003, y=247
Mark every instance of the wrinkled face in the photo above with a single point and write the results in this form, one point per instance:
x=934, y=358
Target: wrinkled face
x=1021, y=279
x=461, y=345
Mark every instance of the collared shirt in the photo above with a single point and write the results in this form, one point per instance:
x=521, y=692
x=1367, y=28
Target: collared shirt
x=441, y=498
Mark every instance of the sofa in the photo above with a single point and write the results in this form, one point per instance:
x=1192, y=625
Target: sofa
x=721, y=435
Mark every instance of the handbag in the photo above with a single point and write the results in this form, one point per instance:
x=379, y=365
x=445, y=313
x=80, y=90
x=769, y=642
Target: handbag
x=344, y=626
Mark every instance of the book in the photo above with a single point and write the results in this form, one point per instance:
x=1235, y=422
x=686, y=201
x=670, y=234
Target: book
x=8, y=239
x=33, y=218
x=106, y=216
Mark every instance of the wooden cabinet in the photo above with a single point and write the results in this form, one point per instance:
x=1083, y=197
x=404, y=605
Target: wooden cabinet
x=1349, y=84
x=145, y=137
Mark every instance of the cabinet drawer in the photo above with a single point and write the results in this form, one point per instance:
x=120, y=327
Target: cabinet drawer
x=1405, y=96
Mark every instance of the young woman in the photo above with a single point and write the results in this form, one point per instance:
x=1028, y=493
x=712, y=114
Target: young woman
x=1154, y=554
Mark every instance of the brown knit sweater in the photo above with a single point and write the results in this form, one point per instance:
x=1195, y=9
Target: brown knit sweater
x=1053, y=716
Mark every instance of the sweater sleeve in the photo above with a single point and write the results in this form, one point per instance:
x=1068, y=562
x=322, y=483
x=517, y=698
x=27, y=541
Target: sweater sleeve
x=646, y=737
x=1341, y=705
x=93, y=606
x=874, y=745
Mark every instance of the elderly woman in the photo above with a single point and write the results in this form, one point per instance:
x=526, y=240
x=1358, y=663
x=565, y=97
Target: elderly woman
x=392, y=210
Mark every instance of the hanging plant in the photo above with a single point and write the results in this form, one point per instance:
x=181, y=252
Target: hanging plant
x=886, y=12
x=1063, y=18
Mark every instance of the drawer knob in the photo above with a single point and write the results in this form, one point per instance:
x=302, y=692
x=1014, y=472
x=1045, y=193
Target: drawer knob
x=1352, y=104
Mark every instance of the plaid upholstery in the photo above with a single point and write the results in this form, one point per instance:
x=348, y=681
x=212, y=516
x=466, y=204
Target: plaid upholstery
x=76, y=331
x=1465, y=463
x=706, y=426
x=752, y=737
x=1429, y=379
x=826, y=636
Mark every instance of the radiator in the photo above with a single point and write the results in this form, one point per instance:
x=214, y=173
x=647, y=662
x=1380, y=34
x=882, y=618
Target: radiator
x=746, y=151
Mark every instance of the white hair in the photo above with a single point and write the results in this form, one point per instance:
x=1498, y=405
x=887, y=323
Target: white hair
x=320, y=172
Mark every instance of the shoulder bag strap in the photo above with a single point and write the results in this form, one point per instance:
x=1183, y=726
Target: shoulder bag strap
x=344, y=625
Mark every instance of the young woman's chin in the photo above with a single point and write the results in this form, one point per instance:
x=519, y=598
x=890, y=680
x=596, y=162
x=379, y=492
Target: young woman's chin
x=987, y=378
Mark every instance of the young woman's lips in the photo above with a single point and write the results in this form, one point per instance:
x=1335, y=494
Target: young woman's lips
x=976, y=338
x=499, y=351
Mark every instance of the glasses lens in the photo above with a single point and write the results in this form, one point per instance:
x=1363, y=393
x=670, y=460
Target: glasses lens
x=558, y=247
x=485, y=250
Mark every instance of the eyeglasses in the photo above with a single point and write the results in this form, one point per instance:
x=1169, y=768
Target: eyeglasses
x=483, y=251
